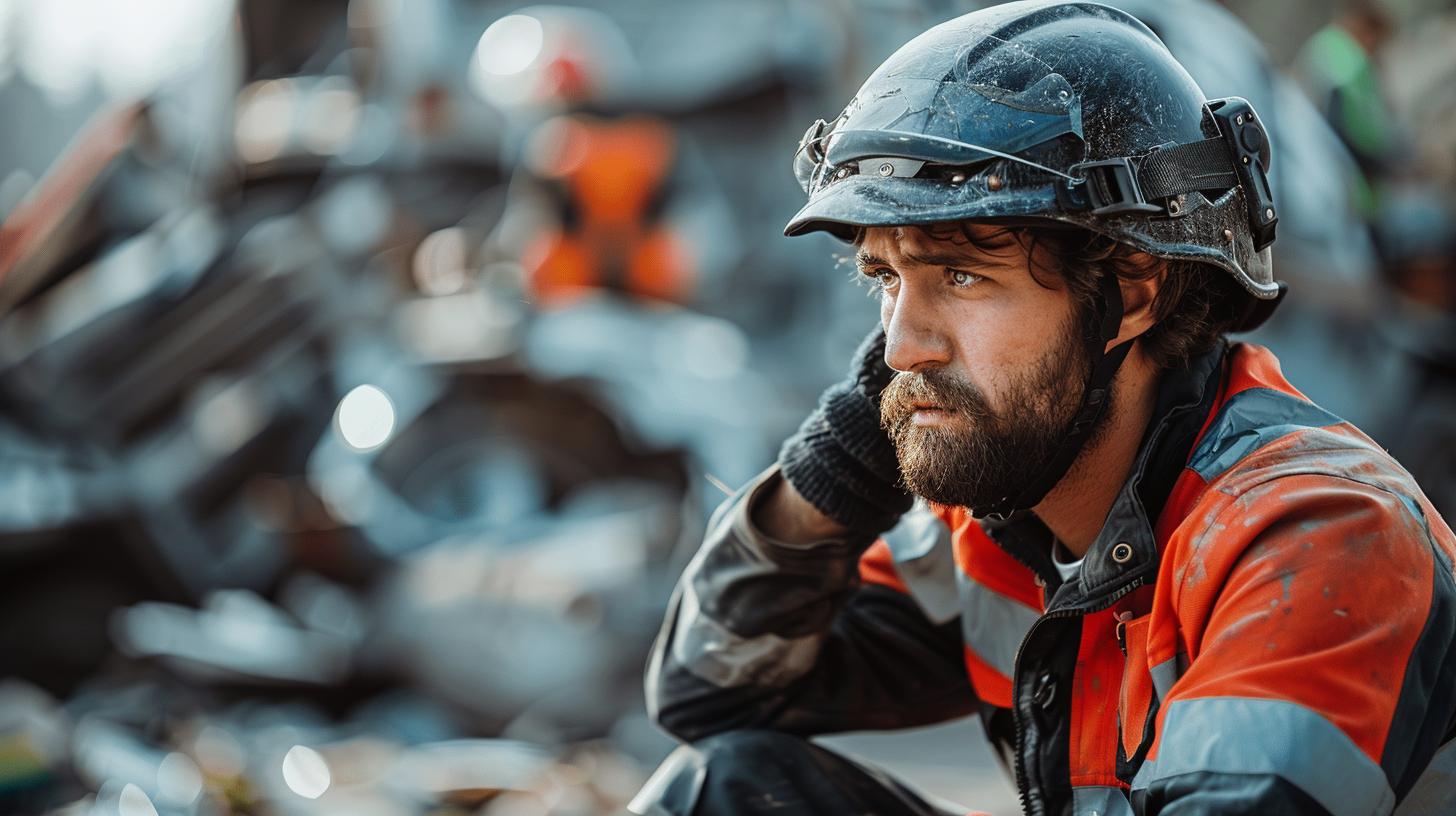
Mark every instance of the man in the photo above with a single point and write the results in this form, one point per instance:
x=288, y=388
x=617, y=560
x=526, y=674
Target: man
x=1166, y=581
x=1339, y=67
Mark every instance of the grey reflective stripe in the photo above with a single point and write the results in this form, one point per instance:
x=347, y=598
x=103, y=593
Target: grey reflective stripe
x=921, y=546
x=685, y=763
x=1238, y=735
x=1249, y=421
x=1100, y=801
x=1434, y=793
x=994, y=625
x=1165, y=674
x=726, y=659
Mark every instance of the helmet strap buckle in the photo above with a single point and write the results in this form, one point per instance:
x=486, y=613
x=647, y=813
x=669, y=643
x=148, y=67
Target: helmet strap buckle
x=809, y=157
x=1107, y=187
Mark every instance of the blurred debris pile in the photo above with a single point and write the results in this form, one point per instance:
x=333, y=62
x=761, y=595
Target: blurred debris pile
x=323, y=495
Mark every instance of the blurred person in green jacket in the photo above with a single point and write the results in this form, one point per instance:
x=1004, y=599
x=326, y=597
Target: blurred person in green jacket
x=1339, y=67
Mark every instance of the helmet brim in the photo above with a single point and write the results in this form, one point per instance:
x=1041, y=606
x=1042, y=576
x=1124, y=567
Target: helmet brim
x=856, y=202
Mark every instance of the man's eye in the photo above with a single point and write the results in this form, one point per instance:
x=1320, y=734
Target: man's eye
x=963, y=278
x=883, y=278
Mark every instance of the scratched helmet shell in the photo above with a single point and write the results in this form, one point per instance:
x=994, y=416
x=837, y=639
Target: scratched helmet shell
x=1049, y=113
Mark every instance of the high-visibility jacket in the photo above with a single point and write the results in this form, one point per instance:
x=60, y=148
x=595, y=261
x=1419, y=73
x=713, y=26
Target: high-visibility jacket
x=1266, y=623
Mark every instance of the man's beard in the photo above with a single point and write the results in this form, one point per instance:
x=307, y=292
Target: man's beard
x=981, y=457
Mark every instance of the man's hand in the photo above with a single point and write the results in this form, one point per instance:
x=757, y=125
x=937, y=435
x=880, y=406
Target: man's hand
x=784, y=515
x=841, y=464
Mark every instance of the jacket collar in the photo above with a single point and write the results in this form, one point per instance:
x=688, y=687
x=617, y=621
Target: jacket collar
x=1185, y=398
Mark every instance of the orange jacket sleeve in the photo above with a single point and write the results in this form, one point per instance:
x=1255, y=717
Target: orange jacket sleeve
x=1316, y=612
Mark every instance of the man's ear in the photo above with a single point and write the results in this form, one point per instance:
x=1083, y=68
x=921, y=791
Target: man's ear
x=1139, y=291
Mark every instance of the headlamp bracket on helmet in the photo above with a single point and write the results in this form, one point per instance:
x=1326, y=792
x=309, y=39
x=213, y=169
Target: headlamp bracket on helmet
x=1249, y=150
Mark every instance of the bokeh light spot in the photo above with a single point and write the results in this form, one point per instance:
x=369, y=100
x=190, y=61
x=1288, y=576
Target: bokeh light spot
x=510, y=45
x=365, y=418
x=305, y=772
x=133, y=801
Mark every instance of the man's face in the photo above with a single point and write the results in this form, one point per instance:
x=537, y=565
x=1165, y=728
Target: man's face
x=992, y=363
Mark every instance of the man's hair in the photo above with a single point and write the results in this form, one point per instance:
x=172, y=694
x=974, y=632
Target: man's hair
x=1195, y=307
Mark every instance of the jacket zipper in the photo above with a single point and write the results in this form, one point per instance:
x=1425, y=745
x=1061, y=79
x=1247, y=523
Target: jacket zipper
x=1019, y=729
x=1023, y=786
x=1016, y=718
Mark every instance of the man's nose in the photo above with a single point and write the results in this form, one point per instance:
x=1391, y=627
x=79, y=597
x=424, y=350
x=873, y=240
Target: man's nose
x=912, y=340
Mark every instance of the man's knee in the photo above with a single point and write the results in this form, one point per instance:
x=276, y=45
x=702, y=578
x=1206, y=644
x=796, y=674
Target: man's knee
x=735, y=748
x=740, y=762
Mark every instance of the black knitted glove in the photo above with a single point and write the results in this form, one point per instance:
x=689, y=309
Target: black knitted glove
x=840, y=459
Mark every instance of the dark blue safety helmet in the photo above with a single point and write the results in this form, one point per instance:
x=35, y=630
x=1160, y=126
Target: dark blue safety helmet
x=1049, y=113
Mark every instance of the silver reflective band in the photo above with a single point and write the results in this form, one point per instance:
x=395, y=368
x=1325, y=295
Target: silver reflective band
x=1165, y=674
x=994, y=625
x=921, y=546
x=1238, y=735
x=1097, y=800
x=726, y=659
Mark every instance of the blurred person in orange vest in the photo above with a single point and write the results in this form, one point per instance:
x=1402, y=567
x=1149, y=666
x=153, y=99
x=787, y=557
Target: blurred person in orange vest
x=596, y=171
x=606, y=181
x=1050, y=491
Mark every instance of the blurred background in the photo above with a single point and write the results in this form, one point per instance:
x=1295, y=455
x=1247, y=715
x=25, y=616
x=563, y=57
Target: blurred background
x=369, y=368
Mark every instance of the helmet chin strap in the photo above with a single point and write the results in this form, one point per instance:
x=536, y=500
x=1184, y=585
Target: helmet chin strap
x=1095, y=398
